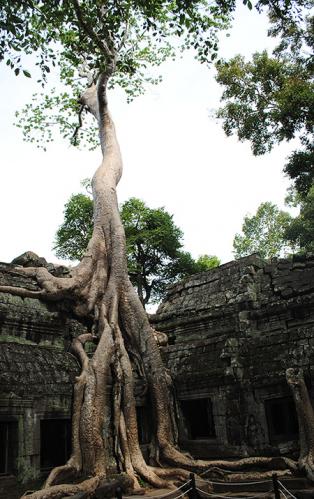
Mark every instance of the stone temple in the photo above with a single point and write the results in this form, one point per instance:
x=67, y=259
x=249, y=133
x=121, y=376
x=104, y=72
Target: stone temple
x=232, y=333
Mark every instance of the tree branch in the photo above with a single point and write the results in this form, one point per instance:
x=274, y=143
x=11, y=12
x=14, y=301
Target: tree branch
x=89, y=99
x=125, y=35
x=80, y=124
x=101, y=44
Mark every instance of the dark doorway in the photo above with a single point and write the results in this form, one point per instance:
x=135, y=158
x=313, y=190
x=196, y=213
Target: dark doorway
x=282, y=420
x=8, y=446
x=198, y=418
x=143, y=425
x=55, y=442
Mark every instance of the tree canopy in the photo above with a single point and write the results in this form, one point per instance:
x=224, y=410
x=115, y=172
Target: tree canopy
x=270, y=99
x=77, y=40
x=263, y=233
x=153, y=242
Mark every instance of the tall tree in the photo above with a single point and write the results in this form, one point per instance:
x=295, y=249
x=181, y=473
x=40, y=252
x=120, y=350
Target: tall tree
x=270, y=99
x=263, y=233
x=108, y=43
x=153, y=243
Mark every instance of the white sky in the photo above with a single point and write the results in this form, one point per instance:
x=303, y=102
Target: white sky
x=174, y=154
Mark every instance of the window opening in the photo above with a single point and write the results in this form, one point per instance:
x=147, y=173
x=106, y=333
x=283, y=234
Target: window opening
x=198, y=418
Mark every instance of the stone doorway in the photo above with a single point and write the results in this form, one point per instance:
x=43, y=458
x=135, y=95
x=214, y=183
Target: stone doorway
x=282, y=420
x=55, y=442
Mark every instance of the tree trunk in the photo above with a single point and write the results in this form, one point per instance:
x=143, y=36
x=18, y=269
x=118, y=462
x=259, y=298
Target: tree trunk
x=305, y=419
x=100, y=286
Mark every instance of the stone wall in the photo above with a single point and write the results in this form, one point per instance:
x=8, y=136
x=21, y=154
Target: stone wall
x=36, y=377
x=233, y=331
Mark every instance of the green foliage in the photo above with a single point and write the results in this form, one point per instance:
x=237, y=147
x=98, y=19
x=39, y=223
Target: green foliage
x=73, y=235
x=268, y=100
x=271, y=99
x=300, y=168
x=44, y=113
x=300, y=231
x=80, y=40
x=154, y=244
x=154, y=250
x=207, y=262
x=293, y=197
x=263, y=233
x=6, y=338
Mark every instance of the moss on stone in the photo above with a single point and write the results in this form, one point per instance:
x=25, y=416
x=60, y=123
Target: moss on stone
x=5, y=338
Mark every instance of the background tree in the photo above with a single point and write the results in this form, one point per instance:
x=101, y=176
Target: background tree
x=270, y=99
x=300, y=231
x=154, y=250
x=153, y=243
x=73, y=235
x=263, y=233
x=107, y=43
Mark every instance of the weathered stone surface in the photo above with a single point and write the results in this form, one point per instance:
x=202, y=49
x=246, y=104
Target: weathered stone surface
x=32, y=371
x=233, y=331
x=30, y=259
x=36, y=371
x=31, y=319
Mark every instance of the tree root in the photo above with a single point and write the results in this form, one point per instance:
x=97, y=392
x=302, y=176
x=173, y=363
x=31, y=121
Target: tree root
x=60, y=474
x=258, y=475
x=270, y=463
x=22, y=292
x=152, y=477
x=173, y=473
x=60, y=491
x=306, y=464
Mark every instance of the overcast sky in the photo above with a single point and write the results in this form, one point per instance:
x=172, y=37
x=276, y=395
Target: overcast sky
x=175, y=155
